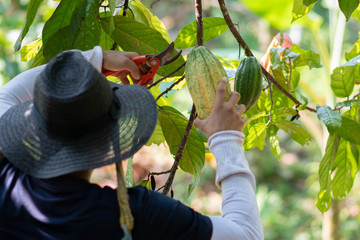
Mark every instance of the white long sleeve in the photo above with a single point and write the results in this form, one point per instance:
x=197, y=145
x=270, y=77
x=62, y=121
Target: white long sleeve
x=20, y=88
x=240, y=218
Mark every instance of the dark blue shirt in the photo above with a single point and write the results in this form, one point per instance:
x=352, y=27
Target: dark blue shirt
x=71, y=208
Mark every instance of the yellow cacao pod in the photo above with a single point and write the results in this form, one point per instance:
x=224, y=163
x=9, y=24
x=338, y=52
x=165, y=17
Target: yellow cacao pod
x=203, y=71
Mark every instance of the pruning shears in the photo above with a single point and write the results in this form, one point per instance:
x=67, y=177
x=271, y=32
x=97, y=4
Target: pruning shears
x=149, y=64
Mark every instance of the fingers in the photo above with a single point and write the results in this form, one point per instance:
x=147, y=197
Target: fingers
x=234, y=98
x=220, y=92
x=240, y=109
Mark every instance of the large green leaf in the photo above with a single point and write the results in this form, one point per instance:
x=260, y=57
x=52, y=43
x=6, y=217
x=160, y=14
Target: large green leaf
x=212, y=26
x=254, y=134
x=33, y=6
x=350, y=130
x=355, y=51
x=348, y=7
x=143, y=15
x=73, y=25
x=157, y=137
x=306, y=58
x=345, y=167
x=331, y=118
x=343, y=77
x=276, y=12
x=295, y=131
x=324, y=198
x=301, y=8
x=137, y=37
x=173, y=125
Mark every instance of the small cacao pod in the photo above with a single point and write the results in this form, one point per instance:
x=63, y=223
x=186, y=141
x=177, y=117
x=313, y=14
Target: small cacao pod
x=203, y=71
x=248, y=81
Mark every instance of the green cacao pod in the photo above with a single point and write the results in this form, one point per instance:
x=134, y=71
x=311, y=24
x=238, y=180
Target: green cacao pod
x=248, y=81
x=203, y=71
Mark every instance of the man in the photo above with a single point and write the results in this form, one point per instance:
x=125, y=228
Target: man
x=61, y=120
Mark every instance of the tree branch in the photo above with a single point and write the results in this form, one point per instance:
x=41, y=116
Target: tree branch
x=161, y=79
x=180, y=151
x=126, y=6
x=171, y=87
x=249, y=53
x=199, y=36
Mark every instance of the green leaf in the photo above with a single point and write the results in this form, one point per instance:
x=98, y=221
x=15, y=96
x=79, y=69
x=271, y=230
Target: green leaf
x=331, y=118
x=350, y=130
x=73, y=25
x=300, y=9
x=143, y=15
x=30, y=15
x=213, y=27
x=346, y=167
x=348, y=103
x=29, y=51
x=295, y=79
x=173, y=125
x=348, y=7
x=275, y=57
x=195, y=181
x=356, y=13
x=295, y=131
x=343, y=77
x=324, y=199
x=274, y=141
x=284, y=112
x=39, y=58
x=306, y=58
x=255, y=132
x=129, y=176
x=276, y=12
x=157, y=137
x=309, y=2
x=136, y=37
x=355, y=51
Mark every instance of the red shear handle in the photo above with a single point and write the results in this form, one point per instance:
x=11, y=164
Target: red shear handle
x=148, y=65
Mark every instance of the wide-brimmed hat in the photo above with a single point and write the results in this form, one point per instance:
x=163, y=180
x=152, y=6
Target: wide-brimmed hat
x=77, y=120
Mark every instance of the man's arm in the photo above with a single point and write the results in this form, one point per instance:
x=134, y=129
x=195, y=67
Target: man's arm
x=240, y=218
x=20, y=88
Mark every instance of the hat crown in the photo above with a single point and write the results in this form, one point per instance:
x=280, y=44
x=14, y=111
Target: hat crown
x=71, y=92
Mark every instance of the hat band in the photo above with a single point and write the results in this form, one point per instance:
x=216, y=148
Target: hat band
x=65, y=131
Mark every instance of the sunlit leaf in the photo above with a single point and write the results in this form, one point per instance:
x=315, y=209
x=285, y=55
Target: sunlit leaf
x=143, y=15
x=276, y=12
x=345, y=167
x=348, y=7
x=356, y=13
x=33, y=6
x=212, y=27
x=324, y=199
x=306, y=58
x=274, y=142
x=343, y=77
x=300, y=9
x=29, y=51
x=254, y=133
x=157, y=137
x=355, y=51
x=331, y=118
x=136, y=37
x=295, y=131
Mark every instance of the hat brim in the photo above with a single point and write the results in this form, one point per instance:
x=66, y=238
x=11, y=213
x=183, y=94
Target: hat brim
x=27, y=146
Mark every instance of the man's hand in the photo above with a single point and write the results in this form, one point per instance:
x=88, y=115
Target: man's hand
x=121, y=61
x=224, y=115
